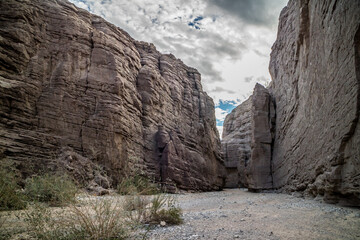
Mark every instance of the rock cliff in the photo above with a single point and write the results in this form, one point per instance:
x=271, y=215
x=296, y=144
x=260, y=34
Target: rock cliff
x=79, y=94
x=315, y=70
x=236, y=144
x=314, y=65
x=247, y=142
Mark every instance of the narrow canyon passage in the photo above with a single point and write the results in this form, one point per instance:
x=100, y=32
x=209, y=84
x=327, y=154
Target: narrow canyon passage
x=239, y=214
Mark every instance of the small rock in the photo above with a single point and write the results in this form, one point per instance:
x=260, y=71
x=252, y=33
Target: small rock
x=162, y=223
x=220, y=207
x=236, y=236
x=243, y=219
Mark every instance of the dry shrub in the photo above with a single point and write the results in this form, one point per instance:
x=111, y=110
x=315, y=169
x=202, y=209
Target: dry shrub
x=153, y=210
x=100, y=219
x=11, y=197
x=54, y=190
x=137, y=185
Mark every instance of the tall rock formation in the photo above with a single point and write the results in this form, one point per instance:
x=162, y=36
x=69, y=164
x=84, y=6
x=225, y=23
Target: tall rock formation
x=259, y=171
x=236, y=144
x=316, y=84
x=315, y=69
x=77, y=91
x=247, y=142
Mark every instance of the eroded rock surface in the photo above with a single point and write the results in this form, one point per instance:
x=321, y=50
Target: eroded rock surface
x=247, y=142
x=316, y=85
x=70, y=80
x=259, y=171
x=236, y=144
x=315, y=69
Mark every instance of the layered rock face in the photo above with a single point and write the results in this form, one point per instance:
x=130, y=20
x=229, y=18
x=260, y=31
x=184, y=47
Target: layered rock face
x=236, y=144
x=259, y=171
x=316, y=89
x=76, y=89
x=316, y=84
x=247, y=142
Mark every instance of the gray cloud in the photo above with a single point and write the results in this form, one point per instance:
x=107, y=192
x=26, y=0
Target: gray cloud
x=256, y=12
x=249, y=79
x=220, y=89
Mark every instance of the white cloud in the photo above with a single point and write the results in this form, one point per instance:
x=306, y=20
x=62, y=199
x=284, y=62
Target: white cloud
x=220, y=130
x=220, y=114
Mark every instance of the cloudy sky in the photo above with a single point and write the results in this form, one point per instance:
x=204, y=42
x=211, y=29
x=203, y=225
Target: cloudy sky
x=228, y=41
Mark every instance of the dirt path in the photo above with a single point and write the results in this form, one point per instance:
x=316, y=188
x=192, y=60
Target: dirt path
x=238, y=214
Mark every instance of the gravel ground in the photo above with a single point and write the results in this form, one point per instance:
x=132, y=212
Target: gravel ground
x=239, y=214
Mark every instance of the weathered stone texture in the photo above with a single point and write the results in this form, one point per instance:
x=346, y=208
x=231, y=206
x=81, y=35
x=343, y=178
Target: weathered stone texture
x=315, y=69
x=314, y=66
x=236, y=144
x=247, y=142
x=70, y=81
x=259, y=171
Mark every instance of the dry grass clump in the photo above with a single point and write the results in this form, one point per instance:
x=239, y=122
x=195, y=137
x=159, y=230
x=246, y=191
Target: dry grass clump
x=137, y=184
x=54, y=190
x=11, y=196
x=90, y=218
x=100, y=219
x=153, y=210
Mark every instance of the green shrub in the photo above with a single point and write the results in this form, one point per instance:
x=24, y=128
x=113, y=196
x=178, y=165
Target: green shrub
x=11, y=197
x=137, y=185
x=53, y=190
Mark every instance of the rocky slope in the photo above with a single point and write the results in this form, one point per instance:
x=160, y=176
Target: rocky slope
x=315, y=69
x=78, y=94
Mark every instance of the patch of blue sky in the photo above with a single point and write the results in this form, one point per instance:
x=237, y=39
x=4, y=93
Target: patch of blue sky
x=196, y=22
x=227, y=105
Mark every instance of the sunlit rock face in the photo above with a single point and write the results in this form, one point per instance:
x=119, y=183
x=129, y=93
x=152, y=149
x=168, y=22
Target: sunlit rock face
x=315, y=69
x=77, y=89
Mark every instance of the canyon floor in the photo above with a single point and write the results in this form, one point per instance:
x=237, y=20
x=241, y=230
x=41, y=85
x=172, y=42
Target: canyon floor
x=239, y=214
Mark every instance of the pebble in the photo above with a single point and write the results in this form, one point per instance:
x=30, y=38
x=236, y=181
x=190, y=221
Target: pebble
x=204, y=220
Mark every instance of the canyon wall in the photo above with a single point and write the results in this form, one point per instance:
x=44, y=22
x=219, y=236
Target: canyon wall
x=315, y=70
x=236, y=144
x=79, y=95
x=316, y=90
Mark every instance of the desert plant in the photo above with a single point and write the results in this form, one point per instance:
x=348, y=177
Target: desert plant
x=4, y=234
x=103, y=219
x=154, y=210
x=95, y=220
x=137, y=184
x=54, y=190
x=39, y=221
x=11, y=197
x=163, y=209
x=136, y=208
